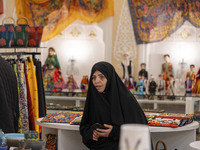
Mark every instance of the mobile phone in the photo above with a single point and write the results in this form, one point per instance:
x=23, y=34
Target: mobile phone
x=98, y=126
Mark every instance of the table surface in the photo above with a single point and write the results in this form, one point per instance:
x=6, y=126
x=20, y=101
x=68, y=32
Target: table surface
x=66, y=126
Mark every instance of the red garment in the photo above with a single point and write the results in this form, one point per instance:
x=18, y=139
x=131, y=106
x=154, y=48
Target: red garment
x=30, y=109
x=1, y=7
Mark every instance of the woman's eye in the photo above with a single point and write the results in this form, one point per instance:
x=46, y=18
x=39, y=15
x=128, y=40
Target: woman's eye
x=102, y=77
x=93, y=78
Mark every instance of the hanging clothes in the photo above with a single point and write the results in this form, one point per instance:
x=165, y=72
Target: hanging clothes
x=41, y=94
x=9, y=108
x=30, y=108
x=32, y=81
x=22, y=97
x=19, y=120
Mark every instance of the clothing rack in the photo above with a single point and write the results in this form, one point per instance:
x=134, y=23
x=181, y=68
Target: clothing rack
x=19, y=54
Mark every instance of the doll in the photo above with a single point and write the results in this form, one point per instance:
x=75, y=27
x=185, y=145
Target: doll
x=188, y=87
x=161, y=87
x=84, y=84
x=197, y=85
x=139, y=86
x=71, y=84
x=145, y=85
x=192, y=76
x=171, y=87
x=167, y=70
x=152, y=88
x=143, y=71
x=52, y=77
x=127, y=67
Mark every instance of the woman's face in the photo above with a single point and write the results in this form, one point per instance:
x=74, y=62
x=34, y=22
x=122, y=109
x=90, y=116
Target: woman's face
x=99, y=81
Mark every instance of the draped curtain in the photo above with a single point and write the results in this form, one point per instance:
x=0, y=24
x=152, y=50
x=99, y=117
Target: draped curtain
x=154, y=20
x=56, y=15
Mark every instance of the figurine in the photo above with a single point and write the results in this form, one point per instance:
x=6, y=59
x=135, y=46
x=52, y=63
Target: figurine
x=167, y=70
x=52, y=78
x=161, y=87
x=145, y=85
x=127, y=67
x=84, y=84
x=71, y=84
x=152, y=88
x=143, y=71
x=188, y=87
x=192, y=76
x=171, y=88
x=139, y=87
x=197, y=85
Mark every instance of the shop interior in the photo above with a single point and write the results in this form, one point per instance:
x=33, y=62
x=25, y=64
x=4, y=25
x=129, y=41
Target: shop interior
x=67, y=50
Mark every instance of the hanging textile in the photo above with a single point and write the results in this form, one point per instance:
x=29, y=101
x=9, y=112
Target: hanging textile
x=1, y=7
x=22, y=97
x=41, y=94
x=30, y=108
x=56, y=15
x=154, y=20
x=9, y=107
x=32, y=81
x=19, y=130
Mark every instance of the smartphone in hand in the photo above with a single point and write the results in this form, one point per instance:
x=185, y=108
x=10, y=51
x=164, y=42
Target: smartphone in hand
x=98, y=126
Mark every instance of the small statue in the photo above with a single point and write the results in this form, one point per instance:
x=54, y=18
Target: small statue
x=127, y=67
x=171, y=88
x=143, y=71
x=192, y=76
x=167, y=70
x=84, y=84
x=139, y=87
x=188, y=87
x=161, y=87
x=152, y=88
x=71, y=84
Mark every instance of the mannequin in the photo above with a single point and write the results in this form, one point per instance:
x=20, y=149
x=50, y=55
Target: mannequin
x=192, y=76
x=167, y=70
x=127, y=67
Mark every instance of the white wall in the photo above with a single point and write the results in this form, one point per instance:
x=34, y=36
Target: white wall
x=182, y=45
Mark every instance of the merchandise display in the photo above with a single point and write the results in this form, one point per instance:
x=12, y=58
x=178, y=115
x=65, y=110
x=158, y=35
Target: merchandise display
x=169, y=119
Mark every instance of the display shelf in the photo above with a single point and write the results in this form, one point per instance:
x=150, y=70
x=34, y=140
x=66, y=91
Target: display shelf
x=191, y=103
x=69, y=136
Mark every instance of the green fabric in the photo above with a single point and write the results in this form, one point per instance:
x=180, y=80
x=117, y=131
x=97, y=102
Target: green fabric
x=52, y=60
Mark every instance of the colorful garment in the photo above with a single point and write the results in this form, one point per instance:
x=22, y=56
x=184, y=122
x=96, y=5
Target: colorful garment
x=154, y=20
x=30, y=108
x=19, y=120
x=56, y=15
x=52, y=77
x=192, y=77
x=84, y=84
x=71, y=84
x=22, y=97
x=32, y=81
x=139, y=87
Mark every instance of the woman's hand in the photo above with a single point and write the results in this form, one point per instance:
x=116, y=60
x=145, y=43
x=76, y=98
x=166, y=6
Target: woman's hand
x=95, y=135
x=104, y=132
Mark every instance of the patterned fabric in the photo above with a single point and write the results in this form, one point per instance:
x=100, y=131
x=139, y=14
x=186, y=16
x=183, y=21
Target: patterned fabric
x=61, y=117
x=30, y=108
x=154, y=20
x=32, y=81
x=19, y=120
x=51, y=142
x=58, y=14
x=22, y=97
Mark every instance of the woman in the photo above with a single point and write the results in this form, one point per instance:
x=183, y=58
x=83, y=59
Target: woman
x=52, y=78
x=110, y=103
